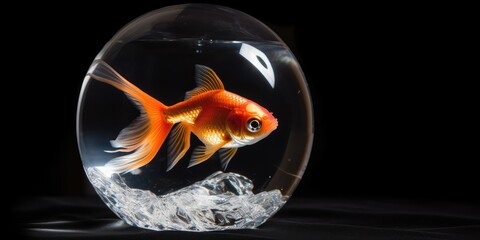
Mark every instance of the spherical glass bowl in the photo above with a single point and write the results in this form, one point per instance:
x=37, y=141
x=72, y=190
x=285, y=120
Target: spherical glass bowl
x=228, y=154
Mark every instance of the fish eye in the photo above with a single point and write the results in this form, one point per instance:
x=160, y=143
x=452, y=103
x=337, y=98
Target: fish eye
x=254, y=125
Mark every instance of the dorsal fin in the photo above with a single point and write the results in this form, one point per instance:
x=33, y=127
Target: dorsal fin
x=207, y=80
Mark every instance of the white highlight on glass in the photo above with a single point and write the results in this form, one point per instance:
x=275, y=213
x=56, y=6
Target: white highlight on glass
x=253, y=55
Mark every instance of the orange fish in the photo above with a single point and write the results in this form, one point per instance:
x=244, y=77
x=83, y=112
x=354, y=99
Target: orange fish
x=222, y=120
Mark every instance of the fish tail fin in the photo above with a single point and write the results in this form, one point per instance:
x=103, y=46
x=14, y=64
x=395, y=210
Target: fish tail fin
x=145, y=135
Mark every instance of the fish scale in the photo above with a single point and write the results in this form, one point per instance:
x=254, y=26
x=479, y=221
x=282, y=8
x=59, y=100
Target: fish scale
x=183, y=114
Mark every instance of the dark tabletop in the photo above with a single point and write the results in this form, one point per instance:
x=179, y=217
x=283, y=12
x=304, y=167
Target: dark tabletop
x=325, y=218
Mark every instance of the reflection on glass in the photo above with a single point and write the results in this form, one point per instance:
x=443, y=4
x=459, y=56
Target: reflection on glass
x=260, y=61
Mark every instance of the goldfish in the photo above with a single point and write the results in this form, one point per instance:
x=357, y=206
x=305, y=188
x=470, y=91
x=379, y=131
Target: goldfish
x=223, y=121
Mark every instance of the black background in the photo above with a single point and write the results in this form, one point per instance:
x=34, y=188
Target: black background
x=389, y=116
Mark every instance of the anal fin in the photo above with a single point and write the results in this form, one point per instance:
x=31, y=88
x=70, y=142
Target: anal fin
x=178, y=143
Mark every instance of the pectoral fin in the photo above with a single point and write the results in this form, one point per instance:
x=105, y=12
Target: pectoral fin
x=226, y=154
x=203, y=153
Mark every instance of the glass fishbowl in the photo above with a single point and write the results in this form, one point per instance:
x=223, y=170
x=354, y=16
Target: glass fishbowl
x=195, y=117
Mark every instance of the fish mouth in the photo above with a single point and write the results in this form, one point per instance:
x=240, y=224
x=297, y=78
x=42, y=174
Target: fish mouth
x=274, y=124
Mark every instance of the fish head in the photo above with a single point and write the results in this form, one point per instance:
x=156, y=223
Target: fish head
x=250, y=123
